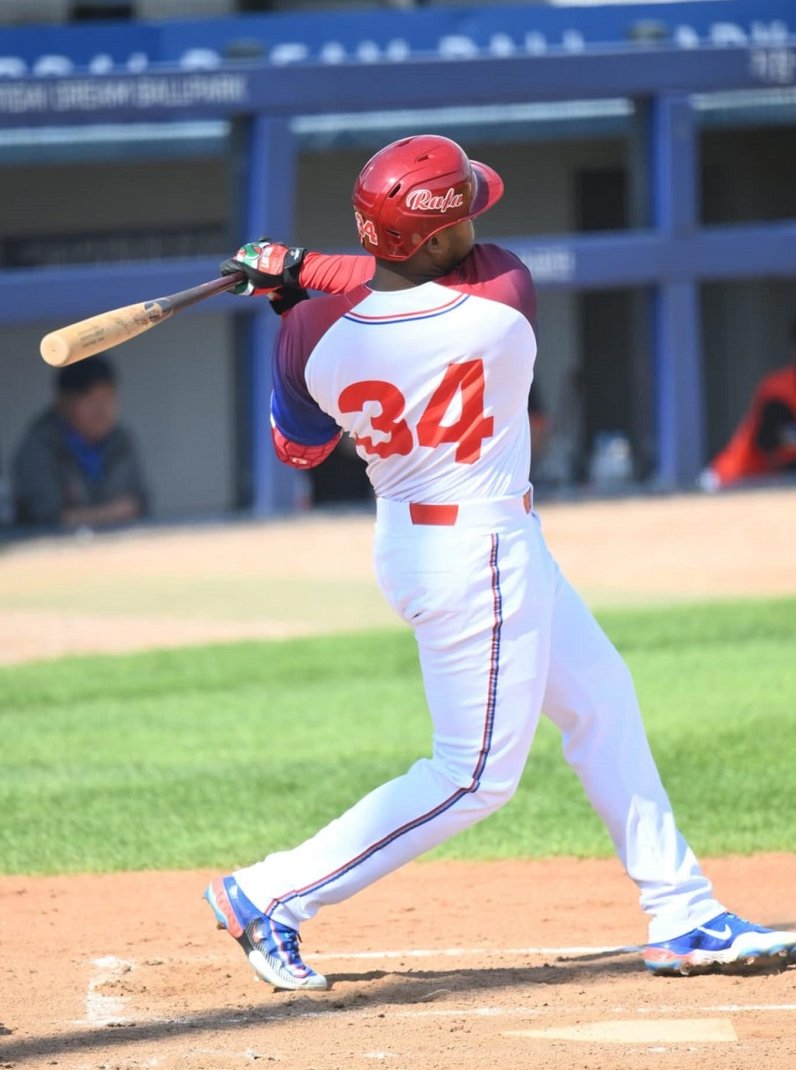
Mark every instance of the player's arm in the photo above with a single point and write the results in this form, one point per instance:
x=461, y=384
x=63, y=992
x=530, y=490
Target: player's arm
x=272, y=268
x=303, y=434
x=116, y=511
x=334, y=274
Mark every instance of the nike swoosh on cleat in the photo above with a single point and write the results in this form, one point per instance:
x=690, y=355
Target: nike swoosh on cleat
x=723, y=935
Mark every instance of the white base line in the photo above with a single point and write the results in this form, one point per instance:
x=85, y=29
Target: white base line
x=294, y=1012
x=470, y=952
x=690, y=1010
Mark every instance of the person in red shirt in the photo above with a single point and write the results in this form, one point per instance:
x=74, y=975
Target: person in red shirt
x=764, y=443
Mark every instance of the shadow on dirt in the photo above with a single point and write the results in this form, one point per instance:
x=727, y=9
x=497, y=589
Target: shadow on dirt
x=400, y=986
x=362, y=994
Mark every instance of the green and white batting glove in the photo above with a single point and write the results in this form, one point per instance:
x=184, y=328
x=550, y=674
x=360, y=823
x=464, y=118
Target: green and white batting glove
x=267, y=265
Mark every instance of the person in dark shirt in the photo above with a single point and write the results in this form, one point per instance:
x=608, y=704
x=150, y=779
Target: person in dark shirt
x=75, y=465
x=540, y=423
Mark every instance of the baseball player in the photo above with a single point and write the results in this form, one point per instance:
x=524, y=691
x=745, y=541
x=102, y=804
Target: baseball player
x=423, y=351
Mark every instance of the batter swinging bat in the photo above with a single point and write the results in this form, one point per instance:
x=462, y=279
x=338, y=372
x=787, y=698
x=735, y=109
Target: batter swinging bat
x=80, y=340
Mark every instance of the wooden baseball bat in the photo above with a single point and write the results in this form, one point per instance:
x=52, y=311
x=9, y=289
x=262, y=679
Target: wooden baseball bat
x=80, y=340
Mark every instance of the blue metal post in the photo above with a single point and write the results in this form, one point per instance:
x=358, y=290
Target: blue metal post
x=269, y=158
x=677, y=347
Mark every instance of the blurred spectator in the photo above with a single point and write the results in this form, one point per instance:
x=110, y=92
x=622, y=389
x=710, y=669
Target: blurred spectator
x=556, y=441
x=341, y=479
x=6, y=507
x=764, y=443
x=540, y=424
x=75, y=465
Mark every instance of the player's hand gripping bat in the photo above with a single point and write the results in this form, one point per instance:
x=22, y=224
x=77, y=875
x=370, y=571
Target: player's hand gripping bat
x=97, y=333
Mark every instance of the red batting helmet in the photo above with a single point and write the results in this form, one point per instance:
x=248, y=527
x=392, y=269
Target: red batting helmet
x=416, y=187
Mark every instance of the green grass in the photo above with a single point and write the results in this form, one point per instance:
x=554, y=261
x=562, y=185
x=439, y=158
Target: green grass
x=214, y=756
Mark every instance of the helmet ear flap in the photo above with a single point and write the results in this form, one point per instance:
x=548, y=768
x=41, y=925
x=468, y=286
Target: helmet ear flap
x=394, y=240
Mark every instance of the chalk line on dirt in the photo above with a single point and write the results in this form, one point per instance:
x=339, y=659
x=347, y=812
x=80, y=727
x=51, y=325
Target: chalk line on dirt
x=471, y=952
x=539, y=1012
x=290, y=1012
x=456, y=952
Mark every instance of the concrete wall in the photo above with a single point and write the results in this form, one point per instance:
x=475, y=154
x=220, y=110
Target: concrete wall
x=70, y=198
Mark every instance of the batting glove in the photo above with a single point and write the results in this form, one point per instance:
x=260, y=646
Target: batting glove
x=286, y=297
x=267, y=265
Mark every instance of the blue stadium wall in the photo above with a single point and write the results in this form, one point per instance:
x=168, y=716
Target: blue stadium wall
x=239, y=104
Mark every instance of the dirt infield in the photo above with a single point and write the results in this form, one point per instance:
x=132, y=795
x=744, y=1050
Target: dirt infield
x=442, y=966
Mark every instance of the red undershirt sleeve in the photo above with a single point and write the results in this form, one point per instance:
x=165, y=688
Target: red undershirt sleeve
x=335, y=274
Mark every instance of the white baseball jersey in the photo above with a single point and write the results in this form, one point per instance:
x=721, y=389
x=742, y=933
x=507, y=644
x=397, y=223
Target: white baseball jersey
x=432, y=382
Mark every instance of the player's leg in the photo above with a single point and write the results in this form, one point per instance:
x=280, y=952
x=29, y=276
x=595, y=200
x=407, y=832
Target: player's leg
x=483, y=648
x=591, y=697
x=480, y=606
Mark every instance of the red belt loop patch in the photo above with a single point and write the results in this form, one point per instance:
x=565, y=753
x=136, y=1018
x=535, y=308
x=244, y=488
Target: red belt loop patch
x=443, y=515
x=527, y=501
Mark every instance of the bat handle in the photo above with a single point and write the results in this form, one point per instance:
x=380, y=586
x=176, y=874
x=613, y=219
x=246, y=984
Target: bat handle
x=175, y=302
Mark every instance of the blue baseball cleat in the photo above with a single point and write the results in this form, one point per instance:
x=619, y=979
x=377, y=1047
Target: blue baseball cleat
x=272, y=949
x=727, y=943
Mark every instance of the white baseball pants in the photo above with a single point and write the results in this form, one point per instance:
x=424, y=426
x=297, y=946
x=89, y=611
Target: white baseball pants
x=502, y=636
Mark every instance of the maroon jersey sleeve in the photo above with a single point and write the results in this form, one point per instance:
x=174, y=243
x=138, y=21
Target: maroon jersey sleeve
x=488, y=271
x=303, y=434
x=493, y=272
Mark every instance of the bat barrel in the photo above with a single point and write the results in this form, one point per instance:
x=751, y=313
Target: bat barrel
x=80, y=340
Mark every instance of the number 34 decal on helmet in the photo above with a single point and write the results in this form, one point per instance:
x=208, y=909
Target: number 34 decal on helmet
x=366, y=229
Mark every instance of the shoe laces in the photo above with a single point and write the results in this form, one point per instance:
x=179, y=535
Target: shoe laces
x=285, y=939
x=290, y=940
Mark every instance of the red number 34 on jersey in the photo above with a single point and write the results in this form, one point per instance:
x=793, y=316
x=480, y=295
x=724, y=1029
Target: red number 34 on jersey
x=467, y=432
